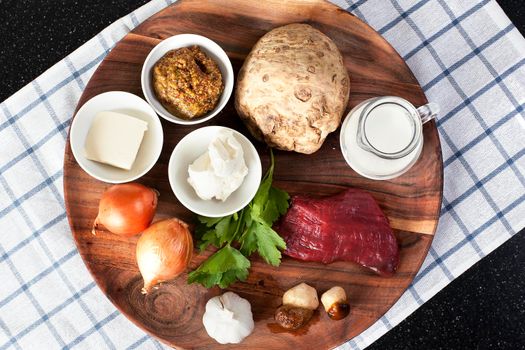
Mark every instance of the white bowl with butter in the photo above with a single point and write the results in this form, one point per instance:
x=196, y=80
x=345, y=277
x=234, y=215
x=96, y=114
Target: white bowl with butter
x=131, y=121
x=191, y=148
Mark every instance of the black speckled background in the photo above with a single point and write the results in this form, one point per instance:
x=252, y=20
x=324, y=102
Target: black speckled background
x=482, y=309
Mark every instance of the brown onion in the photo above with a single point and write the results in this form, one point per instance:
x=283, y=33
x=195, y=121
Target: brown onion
x=126, y=209
x=163, y=251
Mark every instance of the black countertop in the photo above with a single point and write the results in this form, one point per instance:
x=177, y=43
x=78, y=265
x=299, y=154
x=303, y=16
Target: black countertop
x=482, y=309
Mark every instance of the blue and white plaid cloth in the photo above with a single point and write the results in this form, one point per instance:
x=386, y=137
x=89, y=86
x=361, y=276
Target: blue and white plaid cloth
x=467, y=56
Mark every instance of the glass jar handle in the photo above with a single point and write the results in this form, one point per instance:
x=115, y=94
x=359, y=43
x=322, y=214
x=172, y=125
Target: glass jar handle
x=428, y=112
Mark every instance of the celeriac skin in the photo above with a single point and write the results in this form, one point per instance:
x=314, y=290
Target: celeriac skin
x=293, y=88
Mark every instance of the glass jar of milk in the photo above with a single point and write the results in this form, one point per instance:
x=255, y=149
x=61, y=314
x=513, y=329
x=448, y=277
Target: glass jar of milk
x=381, y=138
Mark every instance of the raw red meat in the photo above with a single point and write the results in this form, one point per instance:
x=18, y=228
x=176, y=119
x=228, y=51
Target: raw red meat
x=349, y=226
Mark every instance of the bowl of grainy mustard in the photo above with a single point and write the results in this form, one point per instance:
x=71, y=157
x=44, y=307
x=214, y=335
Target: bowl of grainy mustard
x=187, y=79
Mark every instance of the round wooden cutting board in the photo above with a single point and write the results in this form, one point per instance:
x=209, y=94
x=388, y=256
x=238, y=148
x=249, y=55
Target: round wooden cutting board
x=173, y=313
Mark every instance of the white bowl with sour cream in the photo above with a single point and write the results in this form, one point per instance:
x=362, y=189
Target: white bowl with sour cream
x=193, y=146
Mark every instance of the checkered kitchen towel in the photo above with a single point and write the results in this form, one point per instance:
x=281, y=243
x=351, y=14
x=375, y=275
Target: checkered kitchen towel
x=465, y=53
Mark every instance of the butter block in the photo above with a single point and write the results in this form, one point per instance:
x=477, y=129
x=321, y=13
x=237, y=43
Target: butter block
x=114, y=139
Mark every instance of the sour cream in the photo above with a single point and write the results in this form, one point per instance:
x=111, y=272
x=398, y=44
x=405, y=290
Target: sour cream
x=219, y=171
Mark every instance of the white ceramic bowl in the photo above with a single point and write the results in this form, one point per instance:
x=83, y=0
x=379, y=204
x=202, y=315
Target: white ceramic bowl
x=127, y=103
x=190, y=148
x=213, y=50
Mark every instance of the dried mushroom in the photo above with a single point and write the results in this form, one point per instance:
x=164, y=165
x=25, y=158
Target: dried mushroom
x=292, y=317
x=298, y=306
x=335, y=303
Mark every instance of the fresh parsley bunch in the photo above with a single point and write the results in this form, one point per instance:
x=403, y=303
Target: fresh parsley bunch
x=241, y=234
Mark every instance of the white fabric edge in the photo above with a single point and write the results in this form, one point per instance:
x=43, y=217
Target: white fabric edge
x=501, y=19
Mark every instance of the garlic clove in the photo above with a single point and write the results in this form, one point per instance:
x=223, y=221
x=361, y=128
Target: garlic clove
x=302, y=295
x=335, y=303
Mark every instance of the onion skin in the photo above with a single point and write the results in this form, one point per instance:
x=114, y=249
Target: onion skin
x=163, y=252
x=126, y=209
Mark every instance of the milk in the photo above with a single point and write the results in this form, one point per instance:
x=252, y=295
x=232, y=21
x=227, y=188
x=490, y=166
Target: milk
x=388, y=128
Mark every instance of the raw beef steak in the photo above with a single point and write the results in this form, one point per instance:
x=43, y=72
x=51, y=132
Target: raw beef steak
x=348, y=226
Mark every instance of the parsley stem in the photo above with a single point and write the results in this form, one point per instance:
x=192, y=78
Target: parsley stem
x=239, y=224
x=244, y=234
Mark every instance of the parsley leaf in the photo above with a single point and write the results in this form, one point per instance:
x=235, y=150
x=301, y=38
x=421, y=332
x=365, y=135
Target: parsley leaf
x=224, y=229
x=275, y=206
x=249, y=242
x=209, y=237
x=209, y=221
x=251, y=230
x=268, y=244
x=222, y=268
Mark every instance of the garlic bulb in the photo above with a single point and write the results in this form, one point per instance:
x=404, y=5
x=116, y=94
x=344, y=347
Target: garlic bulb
x=228, y=318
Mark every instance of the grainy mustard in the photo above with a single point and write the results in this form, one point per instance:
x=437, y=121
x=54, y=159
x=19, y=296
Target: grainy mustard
x=187, y=82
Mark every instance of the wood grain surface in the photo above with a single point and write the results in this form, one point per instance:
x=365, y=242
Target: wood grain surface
x=173, y=313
